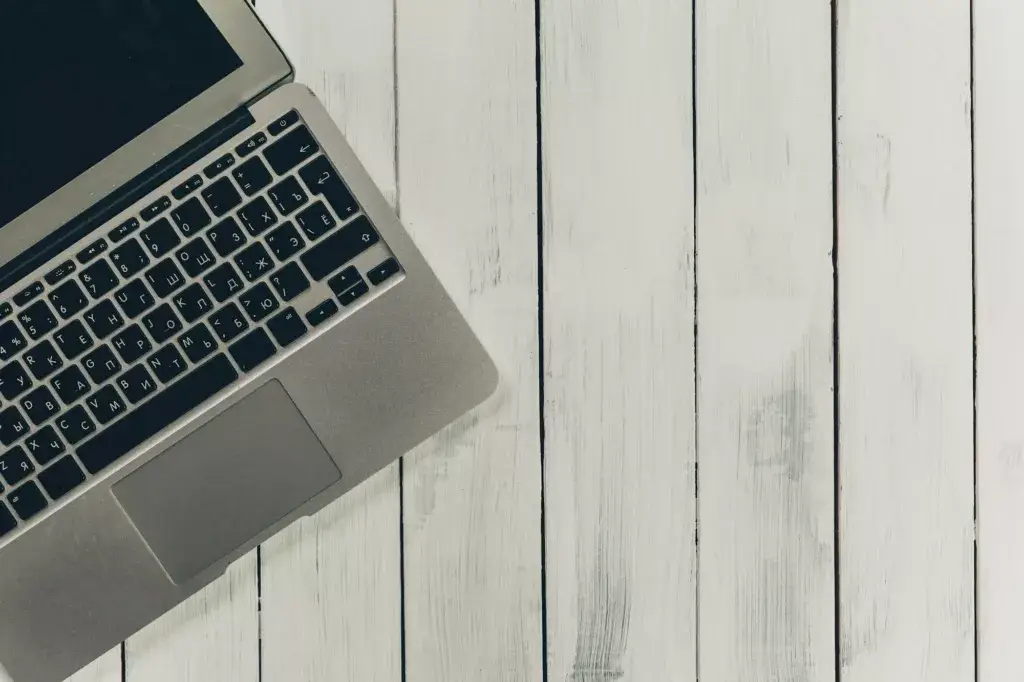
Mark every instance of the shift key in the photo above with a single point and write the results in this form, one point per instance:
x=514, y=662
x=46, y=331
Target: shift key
x=341, y=247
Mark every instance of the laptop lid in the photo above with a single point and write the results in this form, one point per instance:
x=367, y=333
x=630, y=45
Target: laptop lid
x=98, y=91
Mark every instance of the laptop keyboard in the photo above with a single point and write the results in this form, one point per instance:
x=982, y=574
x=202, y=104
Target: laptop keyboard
x=172, y=307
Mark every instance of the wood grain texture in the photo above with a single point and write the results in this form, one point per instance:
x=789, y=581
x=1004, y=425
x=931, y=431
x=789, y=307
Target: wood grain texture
x=764, y=306
x=619, y=376
x=905, y=319
x=106, y=669
x=331, y=585
x=212, y=636
x=468, y=192
x=999, y=206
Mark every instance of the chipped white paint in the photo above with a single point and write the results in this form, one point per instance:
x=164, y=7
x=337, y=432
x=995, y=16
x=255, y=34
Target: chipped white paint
x=331, y=585
x=619, y=376
x=468, y=192
x=765, y=417
x=999, y=148
x=905, y=359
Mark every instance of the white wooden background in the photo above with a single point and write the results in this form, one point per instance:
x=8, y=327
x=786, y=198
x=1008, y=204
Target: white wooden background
x=781, y=241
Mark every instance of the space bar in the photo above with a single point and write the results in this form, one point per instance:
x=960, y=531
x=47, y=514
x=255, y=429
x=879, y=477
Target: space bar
x=164, y=409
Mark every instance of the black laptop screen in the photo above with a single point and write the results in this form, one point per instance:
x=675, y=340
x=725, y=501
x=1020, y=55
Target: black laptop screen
x=81, y=78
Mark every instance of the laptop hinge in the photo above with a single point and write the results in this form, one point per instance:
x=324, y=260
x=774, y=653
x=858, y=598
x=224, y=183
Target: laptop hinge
x=103, y=212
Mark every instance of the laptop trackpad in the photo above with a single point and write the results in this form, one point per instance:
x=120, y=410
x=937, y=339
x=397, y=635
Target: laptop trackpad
x=225, y=484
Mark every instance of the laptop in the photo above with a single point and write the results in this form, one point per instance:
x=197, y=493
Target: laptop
x=211, y=321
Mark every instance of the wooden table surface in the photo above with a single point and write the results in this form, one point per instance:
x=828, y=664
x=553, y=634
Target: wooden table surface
x=733, y=234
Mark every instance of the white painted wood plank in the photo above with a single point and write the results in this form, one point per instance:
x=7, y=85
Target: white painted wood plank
x=619, y=377
x=468, y=191
x=212, y=636
x=106, y=669
x=999, y=206
x=764, y=306
x=905, y=352
x=331, y=585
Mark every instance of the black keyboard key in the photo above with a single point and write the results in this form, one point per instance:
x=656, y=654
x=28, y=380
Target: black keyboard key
x=191, y=217
x=198, y=343
x=323, y=312
x=291, y=150
x=257, y=217
x=340, y=248
x=160, y=238
x=316, y=221
x=285, y=242
x=162, y=323
x=104, y=319
x=124, y=229
x=71, y=384
x=323, y=180
x=91, y=251
x=187, y=187
x=5, y=310
x=228, y=322
x=12, y=341
x=162, y=411
x=167, y=364
x=68, y=299
x=195, y=257
x=27, y=500
x=15, y=466
x=62, y=478
x=283, y=123
x=131, y=344
x=252, y=176
x=12, y=426
x=106, y=405
x=43, y=360
x=101, y=364
x=219, y=166
x=290, y=281
x=344, y=280
x=259, y=302
x=99, y=279
x=40, y=405
x=134, y=298
x=37, y=320
x=383, y=272
x=73, y=340
x=254, y=262
x=193, y=303
x=14, y=380
x=129, y=258
x=224, y=282
x=165, y=278
x=227, y=237
x=136, y=384
x=288, y=196
x=44, y=445
x=221, y=197
x=287, y=327
x=28, y=293
x=155, y=209
x=353, y=294
x=251, y=145
x=76, y=425
x=60, y=272
x=7, y=520
x=253, y=350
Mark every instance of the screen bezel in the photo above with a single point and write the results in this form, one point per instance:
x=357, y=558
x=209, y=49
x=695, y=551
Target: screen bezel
x=264, y=65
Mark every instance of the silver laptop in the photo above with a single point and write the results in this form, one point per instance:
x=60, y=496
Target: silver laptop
x=211, y=321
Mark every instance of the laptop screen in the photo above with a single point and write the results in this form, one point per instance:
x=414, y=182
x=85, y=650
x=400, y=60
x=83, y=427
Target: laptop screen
x=85, y=77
